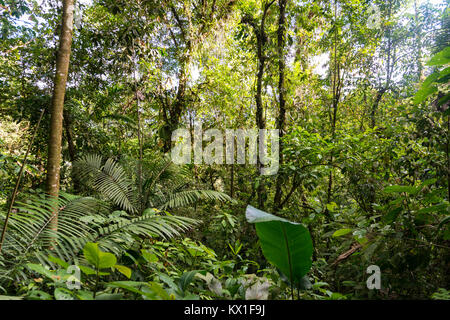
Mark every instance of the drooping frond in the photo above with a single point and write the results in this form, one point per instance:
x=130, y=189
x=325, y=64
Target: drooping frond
x=168, y=186
x=109, y=180
x=146, y=226
x=189, y=197
x=124, y=119
x=29, y=234
x=29, y=238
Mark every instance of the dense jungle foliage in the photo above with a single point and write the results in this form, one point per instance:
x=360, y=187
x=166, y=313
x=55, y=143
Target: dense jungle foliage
x=92, y=205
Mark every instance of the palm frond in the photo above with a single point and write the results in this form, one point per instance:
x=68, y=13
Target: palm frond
x=29, y=238
x=189, y=197
x=108, y=179
x=120, y=235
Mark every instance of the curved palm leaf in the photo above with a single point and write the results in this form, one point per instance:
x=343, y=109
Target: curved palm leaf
x=185, y=198
x=109, y=179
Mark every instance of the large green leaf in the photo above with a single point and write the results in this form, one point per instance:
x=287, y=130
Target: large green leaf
x=440, y=58
x=98, y=258
x=285, y=244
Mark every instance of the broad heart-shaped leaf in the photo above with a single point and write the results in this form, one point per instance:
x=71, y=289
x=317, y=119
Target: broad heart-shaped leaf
x=98, y=258
x=285, y=244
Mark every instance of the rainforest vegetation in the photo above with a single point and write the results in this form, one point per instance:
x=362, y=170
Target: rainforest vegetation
x=93, y=205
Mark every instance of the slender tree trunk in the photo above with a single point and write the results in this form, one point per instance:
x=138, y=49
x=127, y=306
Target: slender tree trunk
x=68, y=128
x=178, y=105
x=260, y=123
x=232, y=180
x=282, y=98
x=261, y=39
x=336, y=95
x=389, y=68
x=56, y=121
x=138, y=98
x=448, y=157
x=67, y=121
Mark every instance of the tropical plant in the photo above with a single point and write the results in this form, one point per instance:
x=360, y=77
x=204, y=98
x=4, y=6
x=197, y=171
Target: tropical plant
x=285, y=244
x=164, y=185
x=80, y=220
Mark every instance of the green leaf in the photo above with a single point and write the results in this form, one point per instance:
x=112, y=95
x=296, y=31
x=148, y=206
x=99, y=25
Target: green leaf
x=186, y=278
x=440, y=58
x=428, y=182
x=63, y=294
x=442, y=207
x=341, y=232
x=149, y=256
x=41, y=270
x=58, y=261
x=423, y=93
x=285, y=244
x=107, y=260
x=331, y=206
x=392, y=215
x=84, y=295
x=86, y=270
x=12, y=298
x=159, y=290
x=98, y=258
x=443, y=221
x=109, y=296
x=398, y=189
x=429, y=80
x=91, y=253
x=133, y=286
x=38, y=295
x=444, y=100
x=123, y=270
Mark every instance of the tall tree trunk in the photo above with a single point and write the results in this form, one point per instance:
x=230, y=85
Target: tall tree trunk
x=178, y=105
x=336, y=79
x=260, y=123
x=282, y=98
x=261, y=39
x=56, y=121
